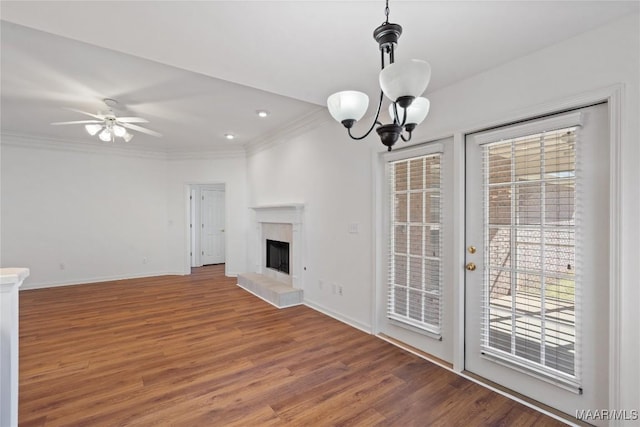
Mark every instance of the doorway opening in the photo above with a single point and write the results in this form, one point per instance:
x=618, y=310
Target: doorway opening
x=207, y=224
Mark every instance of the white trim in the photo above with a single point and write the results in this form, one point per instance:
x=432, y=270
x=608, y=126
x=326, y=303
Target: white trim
x=298, y=127
x=89, y=146
x=93, y=280
x=459, y=252
x=279, y=213
x=530, y=128
x=208, y=154
x=616, y=121
x=614, y=96
x=424, y=149
x=93, y=146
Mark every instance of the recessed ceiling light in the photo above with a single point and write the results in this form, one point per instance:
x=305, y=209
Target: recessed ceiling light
x=262, y=113
x=229, y=136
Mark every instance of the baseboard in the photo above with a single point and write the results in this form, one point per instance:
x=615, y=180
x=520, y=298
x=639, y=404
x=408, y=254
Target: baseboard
x=43, y=285
x=344, y=319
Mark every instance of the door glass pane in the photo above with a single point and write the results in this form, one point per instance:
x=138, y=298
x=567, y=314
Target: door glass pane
x=415, y=265
x=529, y=228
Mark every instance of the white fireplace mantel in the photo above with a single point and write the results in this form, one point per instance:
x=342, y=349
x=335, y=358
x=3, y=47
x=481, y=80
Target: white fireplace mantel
x=283, y=213
x=290, y=213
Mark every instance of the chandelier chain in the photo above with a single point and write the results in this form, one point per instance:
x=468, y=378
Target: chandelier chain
x=386, y=11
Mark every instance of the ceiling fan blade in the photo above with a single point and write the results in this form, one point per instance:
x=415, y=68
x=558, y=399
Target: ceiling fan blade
x=95, y=116
x=141, y=129
x=131, y=120
x=77, y=122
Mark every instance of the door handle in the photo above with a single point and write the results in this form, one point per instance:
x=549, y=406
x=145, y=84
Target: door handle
x=470, y=266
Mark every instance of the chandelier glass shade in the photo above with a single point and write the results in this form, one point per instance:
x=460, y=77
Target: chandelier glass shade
x=405, y=79
x=402, y=83
x=348, y=105
x=416, y=112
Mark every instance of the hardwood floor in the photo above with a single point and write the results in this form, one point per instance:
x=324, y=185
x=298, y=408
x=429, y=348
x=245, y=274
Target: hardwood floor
x=199, y=351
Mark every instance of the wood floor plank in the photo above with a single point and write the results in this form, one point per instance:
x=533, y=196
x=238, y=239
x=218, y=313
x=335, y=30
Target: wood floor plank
x=199, y=351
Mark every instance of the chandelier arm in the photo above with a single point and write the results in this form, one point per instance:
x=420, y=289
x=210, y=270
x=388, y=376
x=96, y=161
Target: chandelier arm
x=407, y=139
x=396, y=118
x=375, y=121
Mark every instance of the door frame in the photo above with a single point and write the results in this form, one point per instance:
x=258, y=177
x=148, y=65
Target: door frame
x=613, y=95
x=192, y=246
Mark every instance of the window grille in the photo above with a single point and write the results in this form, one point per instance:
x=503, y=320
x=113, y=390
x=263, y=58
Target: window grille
x=415, y=250
x=531, y=294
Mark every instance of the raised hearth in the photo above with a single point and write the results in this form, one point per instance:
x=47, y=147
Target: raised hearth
x=270, y=290
x=278, y=285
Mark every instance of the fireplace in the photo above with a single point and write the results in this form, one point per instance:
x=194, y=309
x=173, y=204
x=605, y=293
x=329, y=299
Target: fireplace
x=278, y=255
x=282, y=224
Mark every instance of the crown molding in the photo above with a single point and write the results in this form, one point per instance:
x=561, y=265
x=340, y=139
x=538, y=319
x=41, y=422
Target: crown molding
x=227, y=153
x=94, y=147
x=86, y=146
x=300, y=126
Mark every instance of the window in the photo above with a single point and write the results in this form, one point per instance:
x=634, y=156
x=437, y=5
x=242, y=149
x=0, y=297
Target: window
x=531, y=296
x=415, y=250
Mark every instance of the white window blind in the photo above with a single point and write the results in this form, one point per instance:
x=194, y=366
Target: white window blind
x=531, y=295
x=415, y=247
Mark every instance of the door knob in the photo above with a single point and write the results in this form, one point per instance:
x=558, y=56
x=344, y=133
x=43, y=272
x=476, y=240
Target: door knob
x=470, y=266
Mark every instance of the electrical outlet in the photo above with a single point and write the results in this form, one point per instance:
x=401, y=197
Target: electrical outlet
x=340, y=290
x=62, y=266
x=144, y=260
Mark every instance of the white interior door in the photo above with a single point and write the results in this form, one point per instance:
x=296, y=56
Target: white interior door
x=536, y=286
x=416, y=297
x=212, y=217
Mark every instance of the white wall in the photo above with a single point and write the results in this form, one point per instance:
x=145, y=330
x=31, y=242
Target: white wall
x=334, y=175
x=75, y=217
x=333, y=179
x=78, y=216
x=228, y=170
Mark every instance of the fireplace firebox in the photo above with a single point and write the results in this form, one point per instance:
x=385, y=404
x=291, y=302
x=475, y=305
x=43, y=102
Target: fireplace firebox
x=278, y=255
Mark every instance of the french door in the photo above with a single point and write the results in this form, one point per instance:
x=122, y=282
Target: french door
x=536, y=281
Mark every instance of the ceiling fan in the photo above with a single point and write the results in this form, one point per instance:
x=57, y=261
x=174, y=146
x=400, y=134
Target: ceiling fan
x=108, y=126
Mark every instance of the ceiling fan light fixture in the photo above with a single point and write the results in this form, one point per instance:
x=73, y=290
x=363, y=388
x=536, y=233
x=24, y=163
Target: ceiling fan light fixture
x=105, y=135
x=107, y=126
x=127, y=136
x=119, y=131
x=93, y=129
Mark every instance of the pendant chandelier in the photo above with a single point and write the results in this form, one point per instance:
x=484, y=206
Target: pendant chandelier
x=402, y=83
